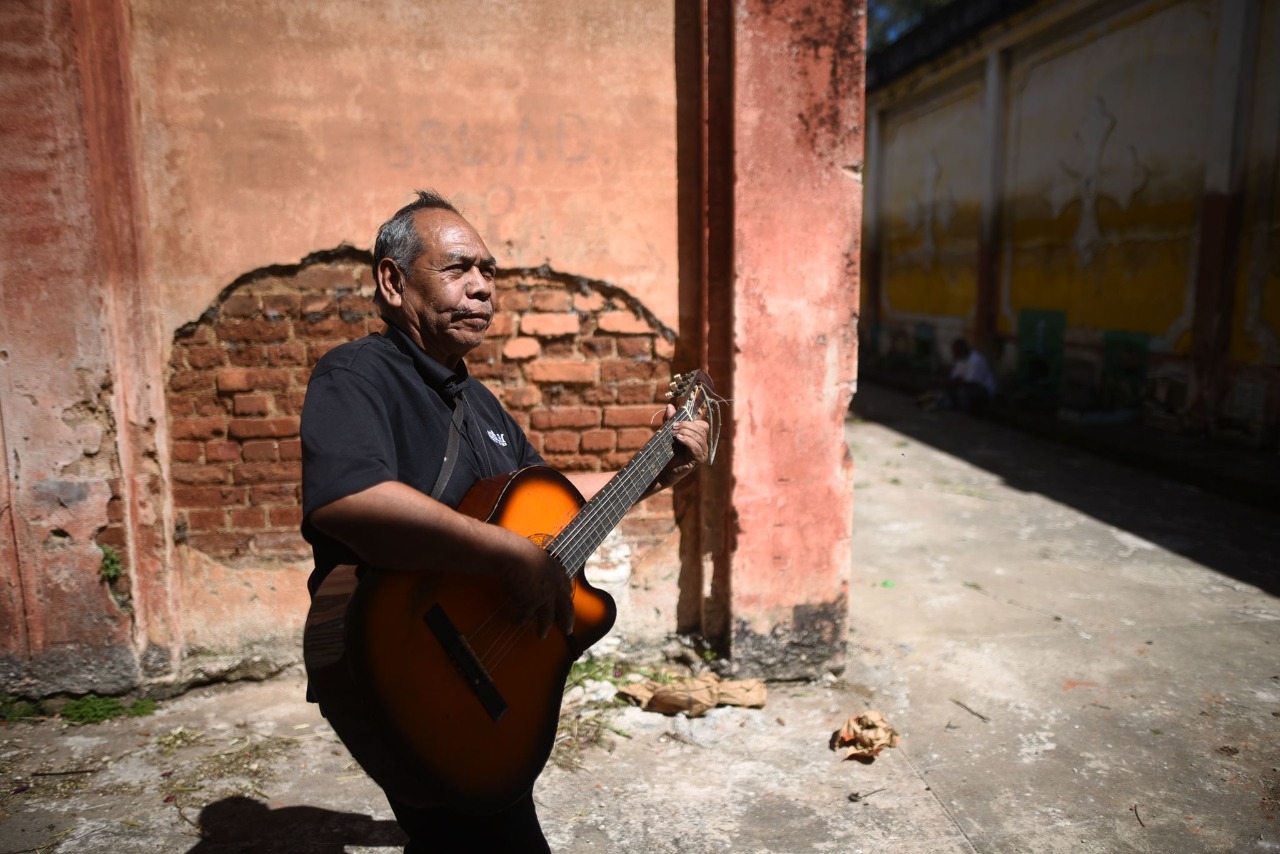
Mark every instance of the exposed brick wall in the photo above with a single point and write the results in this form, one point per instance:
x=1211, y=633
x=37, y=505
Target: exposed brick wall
x=580, y=365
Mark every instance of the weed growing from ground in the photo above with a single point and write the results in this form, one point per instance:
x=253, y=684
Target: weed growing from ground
x=92, y=709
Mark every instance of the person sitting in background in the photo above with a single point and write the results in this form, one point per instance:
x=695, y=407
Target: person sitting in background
x=971, y=386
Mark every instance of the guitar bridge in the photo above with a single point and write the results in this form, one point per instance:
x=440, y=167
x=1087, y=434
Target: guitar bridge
x=466, y=662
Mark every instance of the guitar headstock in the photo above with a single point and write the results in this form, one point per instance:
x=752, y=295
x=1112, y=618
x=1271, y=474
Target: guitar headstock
x=691, y=391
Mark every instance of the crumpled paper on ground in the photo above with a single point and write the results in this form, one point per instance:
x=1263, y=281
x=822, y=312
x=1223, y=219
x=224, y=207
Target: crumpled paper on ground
x=865, y=735
x=696, y=694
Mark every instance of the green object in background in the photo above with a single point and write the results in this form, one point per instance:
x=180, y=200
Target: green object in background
x=1041, y=345
x=1124, y=368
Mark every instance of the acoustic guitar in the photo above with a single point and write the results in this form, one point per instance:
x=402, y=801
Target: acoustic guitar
x=439, y=695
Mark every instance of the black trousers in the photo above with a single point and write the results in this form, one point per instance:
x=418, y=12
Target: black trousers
x=435, y=830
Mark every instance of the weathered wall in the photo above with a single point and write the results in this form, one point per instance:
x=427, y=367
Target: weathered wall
x=272, y=130
x=1102, y=171
x=188, y=187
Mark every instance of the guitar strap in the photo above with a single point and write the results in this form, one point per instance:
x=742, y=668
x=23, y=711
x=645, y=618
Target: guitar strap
x=451, y=450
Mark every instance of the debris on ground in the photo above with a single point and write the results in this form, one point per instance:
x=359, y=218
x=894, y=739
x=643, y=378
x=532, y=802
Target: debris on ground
x=865, y=735
x=695, y=695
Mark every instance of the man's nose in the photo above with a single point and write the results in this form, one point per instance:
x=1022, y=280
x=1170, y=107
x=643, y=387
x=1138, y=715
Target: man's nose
x=479, y=286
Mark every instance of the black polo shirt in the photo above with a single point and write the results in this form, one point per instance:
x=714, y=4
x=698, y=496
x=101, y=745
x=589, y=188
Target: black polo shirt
x=380, y=409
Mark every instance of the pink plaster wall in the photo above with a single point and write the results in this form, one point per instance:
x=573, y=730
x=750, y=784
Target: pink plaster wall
x=798, y=140
x=272, y=130
x=60, y=624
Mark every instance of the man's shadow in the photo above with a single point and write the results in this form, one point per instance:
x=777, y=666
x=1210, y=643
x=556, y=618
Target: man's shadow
x=246, y=826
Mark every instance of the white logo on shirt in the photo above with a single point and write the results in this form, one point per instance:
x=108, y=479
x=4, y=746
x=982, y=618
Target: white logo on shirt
x=498, y=438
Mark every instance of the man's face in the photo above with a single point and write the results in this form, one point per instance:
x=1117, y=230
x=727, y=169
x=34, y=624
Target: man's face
x=447, y=299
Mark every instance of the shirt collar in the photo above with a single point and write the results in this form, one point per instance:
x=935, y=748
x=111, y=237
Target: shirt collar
x=447, y=383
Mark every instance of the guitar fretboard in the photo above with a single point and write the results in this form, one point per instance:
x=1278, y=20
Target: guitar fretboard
x=581, y=537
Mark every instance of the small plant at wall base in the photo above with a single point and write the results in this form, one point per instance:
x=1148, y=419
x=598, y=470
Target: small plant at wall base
x=112, y=566
x=13, y=709
x=92, y=709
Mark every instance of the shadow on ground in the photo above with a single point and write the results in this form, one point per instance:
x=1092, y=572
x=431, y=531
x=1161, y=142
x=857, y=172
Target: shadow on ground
x=246, y=825
x=1236, y=539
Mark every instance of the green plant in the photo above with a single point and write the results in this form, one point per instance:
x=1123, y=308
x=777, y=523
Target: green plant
x=112, y=565
x=13, y=709
x=141, y=708
x=92, y=709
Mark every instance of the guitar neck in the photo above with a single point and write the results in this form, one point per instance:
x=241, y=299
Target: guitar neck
x=581, y=537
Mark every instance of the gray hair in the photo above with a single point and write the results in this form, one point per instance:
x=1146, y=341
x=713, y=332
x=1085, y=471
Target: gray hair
x=398, y=238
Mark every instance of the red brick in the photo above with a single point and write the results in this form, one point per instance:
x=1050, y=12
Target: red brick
x=209, y=405
x=647, y=528
x=572, y=462
x=206, y=357
x=291, y=449
x=251, y=404
x=591, y=301
x=522, y=397
x=206, y=520
x=271, y=378
x=633, y=438
x=240, y=305
x=521, y=348
x=255, y=330
x=280, y=304
x=561, y=442
x=234, y=379
x=286, y=517
x=198, y=475
x=599, y=347
x=198, y=428
x=633, y=416
x=565, y=416
x=219, y=545
x=221, y=452
x=112, y=535
x=286, y=355
x=550, y=325
x=242, y=355
x=273, y=493
x=268, y=472
x=616, y=370
x=664, y=349
x=115, y=510
x=253, y=518
x=549, y=300
x=209, y=496
x=548, y=371
x=514, y=300
x=624, y=323
x=186, y=452
x=190, y=381
x=503, y=325
x=639, y=347
x=263, y=428
x=601, y=395
x=599, y=441
x=261, y=450
x=640, y=392
x=316, y=303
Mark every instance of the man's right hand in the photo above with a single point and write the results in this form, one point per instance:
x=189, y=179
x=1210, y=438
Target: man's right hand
x=539, y=588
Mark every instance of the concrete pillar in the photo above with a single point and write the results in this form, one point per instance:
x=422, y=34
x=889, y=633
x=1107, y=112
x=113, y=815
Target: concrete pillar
x=791, y=301
x=1221, y=206
x=987, y=305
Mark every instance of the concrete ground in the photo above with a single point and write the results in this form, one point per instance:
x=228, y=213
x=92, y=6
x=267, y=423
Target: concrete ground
x=1078, y=656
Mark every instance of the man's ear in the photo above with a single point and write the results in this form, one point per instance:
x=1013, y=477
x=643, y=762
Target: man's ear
x=390, y=282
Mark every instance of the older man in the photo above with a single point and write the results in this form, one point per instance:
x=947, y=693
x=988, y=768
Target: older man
x=395, y=432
